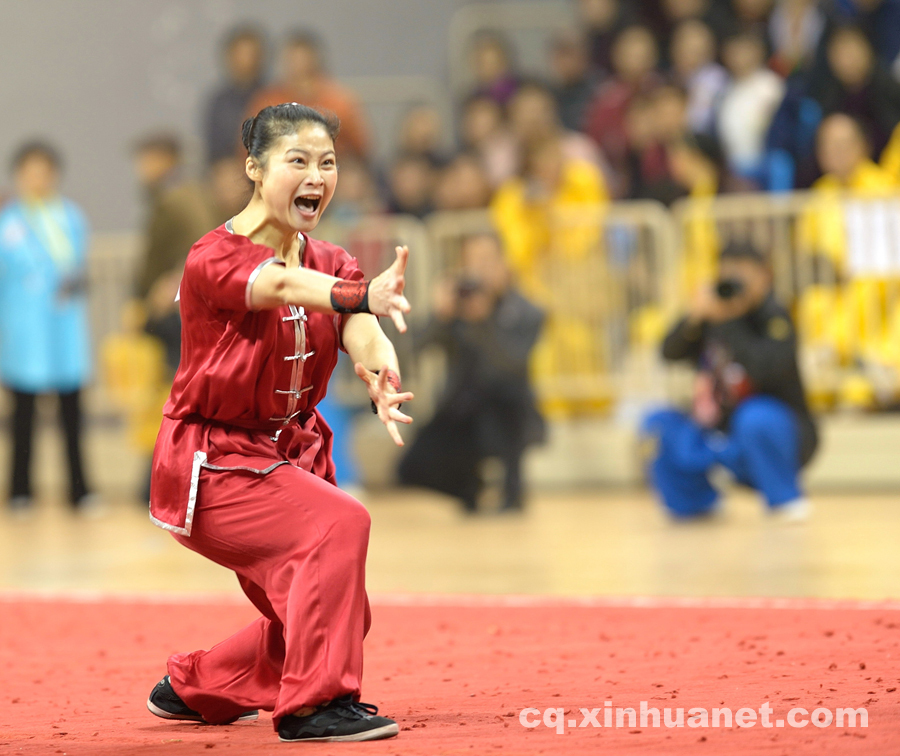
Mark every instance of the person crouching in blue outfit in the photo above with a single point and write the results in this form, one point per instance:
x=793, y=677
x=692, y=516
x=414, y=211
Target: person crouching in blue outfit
x=44, y=346
x=749, y=411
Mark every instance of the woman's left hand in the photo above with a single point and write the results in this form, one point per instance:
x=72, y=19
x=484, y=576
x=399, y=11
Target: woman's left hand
x=386, y=399
x=386, y=291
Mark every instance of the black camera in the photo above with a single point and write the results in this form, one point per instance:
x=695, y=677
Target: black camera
x=729, y=288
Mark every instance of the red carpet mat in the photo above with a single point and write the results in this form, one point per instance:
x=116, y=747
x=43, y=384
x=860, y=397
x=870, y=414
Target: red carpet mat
x=76, y=676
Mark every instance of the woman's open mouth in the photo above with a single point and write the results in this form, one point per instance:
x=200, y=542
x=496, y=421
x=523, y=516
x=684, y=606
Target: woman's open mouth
x=309, y=204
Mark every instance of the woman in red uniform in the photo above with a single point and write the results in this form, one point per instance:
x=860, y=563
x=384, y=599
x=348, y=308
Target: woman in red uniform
x=242, y=470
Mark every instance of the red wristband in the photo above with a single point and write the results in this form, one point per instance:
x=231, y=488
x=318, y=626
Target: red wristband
x=350, y=297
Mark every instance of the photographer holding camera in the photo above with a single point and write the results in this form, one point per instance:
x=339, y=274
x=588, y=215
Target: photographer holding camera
x=487, y=330
x=749, y=411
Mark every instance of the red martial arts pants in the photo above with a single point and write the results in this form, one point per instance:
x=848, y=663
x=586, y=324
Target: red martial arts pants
x=298, y=546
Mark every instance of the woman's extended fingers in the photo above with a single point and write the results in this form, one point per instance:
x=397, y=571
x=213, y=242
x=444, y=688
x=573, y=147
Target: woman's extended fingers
x=398, y=321
x=386, y=399
x=394, y=433
x=402, y=258
x=397, y=415
x=363, y=373
x=399, y=306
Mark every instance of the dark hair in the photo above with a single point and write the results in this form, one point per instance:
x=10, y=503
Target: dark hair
x=707, y=146
x=862, y=130
x=742, y=250
x=633, y=27
x=568, y=39
x=38, y=149
x=478, y=97
x=494, y=38
x=483, y=234
x=305, y=38
x=534, y=84
x=848, y=30
x=747, y=35
x=162, y=142
x=244, y=33
x=669, y=88
x=262, y=131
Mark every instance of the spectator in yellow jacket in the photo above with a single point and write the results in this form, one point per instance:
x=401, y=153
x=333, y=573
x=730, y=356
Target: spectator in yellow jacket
x=548, y=219
x=534, y=212
x=843, y=312
x=890, y=156
x=848, y=171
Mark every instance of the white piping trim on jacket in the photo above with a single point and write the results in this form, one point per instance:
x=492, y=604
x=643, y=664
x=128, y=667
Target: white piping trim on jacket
x=200, y=457
x=198, y=464
x=255, y=274
x=264, y=471
x=165, y=526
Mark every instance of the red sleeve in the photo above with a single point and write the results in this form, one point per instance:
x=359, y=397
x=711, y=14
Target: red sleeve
x=346, y=267
x=223, y=272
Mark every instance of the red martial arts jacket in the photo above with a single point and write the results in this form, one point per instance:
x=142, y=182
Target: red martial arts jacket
x=243, y=400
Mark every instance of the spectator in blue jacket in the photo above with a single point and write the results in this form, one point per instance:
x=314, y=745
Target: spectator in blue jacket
x=44, y=344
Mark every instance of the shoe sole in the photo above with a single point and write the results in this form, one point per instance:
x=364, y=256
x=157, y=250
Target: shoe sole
x=163, y=714
x=388, y=731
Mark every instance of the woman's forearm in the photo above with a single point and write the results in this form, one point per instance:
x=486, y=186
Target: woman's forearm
x=277, y=286
x=365, y=342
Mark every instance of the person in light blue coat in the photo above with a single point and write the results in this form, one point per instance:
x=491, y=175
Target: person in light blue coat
x=44, y=341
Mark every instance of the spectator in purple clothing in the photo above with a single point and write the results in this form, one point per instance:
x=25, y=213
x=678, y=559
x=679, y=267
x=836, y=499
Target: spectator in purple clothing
x=491, y=60
x=694, y=67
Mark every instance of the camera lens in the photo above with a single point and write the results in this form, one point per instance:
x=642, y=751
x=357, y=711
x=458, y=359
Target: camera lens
x=728, y=288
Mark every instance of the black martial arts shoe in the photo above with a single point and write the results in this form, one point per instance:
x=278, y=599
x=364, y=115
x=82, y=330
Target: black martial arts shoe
x=340, y=720
x=166, y=703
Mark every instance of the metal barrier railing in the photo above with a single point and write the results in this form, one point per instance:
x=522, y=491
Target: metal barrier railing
x=613, y=277
x=603, y=277
x=112, y=263
x=836, y=264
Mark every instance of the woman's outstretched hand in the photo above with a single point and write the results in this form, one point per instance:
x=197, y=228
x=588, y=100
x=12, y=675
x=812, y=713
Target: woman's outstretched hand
x=386, y=399
x=386, y=291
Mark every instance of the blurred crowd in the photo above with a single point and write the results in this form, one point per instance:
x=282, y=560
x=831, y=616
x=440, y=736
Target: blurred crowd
x=642, y=99
x=639, y=100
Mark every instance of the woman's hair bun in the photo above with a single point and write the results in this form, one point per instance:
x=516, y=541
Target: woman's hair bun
x=247, y=132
